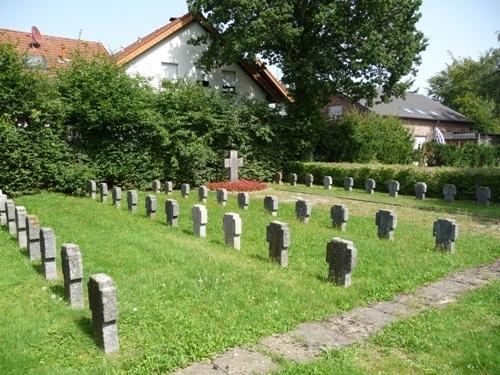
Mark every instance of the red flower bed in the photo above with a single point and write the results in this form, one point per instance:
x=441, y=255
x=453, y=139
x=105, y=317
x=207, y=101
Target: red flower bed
x=242, y=185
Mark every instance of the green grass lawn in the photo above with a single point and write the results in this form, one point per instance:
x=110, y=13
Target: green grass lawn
x=182, y=298
x=464, y=338
x=432, y=204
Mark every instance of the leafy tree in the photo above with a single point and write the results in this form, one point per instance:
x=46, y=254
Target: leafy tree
x=323, y=47
x=472, y=88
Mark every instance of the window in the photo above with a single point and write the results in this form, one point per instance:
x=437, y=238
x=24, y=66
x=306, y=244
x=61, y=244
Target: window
x=334, y=111
x=34, y=61
x=170, y=71
x=419, y=142
x=229, y=81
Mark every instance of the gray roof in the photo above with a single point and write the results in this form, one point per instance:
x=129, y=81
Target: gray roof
x=418, y=107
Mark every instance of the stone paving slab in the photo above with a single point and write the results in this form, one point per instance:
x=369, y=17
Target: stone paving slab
x=308, y=340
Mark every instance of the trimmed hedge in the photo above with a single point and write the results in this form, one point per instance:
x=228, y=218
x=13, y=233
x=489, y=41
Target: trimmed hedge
x=465, y=179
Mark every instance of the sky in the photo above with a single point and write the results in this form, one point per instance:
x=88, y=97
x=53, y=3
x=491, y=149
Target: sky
x=460, y=28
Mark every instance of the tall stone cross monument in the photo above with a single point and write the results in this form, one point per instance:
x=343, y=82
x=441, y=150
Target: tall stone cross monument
x=233, y=163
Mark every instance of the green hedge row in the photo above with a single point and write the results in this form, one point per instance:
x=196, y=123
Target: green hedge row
x=465, y=179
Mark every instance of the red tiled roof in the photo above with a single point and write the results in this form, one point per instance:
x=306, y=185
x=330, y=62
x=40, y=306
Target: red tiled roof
x=264, y=78
x=56, y=50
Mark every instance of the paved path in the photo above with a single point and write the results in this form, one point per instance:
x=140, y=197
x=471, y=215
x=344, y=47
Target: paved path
x=309, y=340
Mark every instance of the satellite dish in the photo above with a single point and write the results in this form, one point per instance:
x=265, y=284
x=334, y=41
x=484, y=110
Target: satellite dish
x=36, y=36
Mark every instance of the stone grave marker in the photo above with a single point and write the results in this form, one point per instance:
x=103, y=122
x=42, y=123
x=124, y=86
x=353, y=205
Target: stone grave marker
x=232, y=230
x=303, y=210
x=151, y=206
x=117, y=196
x=293, y=179
x=339, y=214
x=222, y=196
x=278, y=237
x=386, y=222
x=271, y=204
x=33, y=237
x=103, y=190
x=393, y=188
x=168, y=187
x=420, y=190
x=104, y=307
x=327, y=182
x=446, y=233
x=132, y=200
x=348, y=183
x=185, y=190
x=199, y=215
x=156, y=186
x=22, y=238
x=483, y=195
x=3, y=212
x=449, y=192
x=233, y=163
x=278, y=178
x=48, y=252
x=202, y=194
x=10, y=210
x=172, y=212
x=91, y=189
x=309, y=180
x=370, y=185
x=243, y=200
x=341, y=256
x=72, y=267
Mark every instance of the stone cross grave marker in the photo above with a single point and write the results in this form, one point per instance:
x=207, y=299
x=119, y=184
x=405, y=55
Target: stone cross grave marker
x=168, y=187
x=117, y=196
x=348, y=183
x=339, y=214
x=420, y=190
x=449, y=192
x=199, y=215
x=172, y=212
x=22, y=239
x=185, y=190
x=278, y=237
x=156, y=186
x=233, y=163
x=232, y=230
x=103, y=190
x=3, y=212
x=222, y=196
x=393, y=188
x=48, y=252
x=243, y=200
x=271, y=204
x=10, y=210
x=151, y=206
x=72, y=267
x=303, y=210
x=446, y=233
x=33, y=237
x=483, y=195
x=202, y=194
x=309, y=180
x=104, y=307
x=293, y=179
x=370, y=185
x=132, y=201
x=278, y=178
x=386, y=222
x=91, y=189
x=341, y=256
x=327, y=182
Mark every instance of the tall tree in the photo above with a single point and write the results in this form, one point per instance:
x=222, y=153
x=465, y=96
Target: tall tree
x=323, y=47
x=472, y=88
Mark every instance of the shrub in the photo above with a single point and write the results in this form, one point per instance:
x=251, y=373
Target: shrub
x=465, y=179
x=469, y=155
x=366, y=137
x=242, y=185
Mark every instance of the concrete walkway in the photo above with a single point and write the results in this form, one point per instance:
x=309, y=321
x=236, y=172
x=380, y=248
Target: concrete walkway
x=307, y=341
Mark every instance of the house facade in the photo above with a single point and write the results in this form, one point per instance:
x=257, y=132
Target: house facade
x=420, y=113
x=166, y=54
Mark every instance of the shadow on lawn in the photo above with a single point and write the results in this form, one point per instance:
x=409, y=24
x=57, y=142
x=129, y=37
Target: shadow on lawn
x=58, y=290
x=85, y=325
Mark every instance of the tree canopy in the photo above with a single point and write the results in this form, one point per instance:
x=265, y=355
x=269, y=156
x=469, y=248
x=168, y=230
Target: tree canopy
x=472, y=88
x=323, y=47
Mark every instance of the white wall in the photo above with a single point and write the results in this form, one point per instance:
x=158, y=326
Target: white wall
x=175, y=49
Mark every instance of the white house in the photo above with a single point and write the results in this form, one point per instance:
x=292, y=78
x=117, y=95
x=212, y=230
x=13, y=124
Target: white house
x=166, y=54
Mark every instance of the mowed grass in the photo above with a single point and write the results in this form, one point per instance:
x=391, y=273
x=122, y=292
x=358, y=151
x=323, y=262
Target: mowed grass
x=381, y=195
x=183, y=299
x=463, y=338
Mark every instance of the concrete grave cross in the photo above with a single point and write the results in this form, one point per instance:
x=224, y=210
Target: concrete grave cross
x=278, y=237
x=72, y=267
x=446, y=233
x=341, y=256
x=386, y=222
x=233, y=163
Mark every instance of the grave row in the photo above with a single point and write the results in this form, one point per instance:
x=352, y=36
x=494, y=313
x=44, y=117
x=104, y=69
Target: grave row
x=340, y=253
x=40, y=243
x=483, y=193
